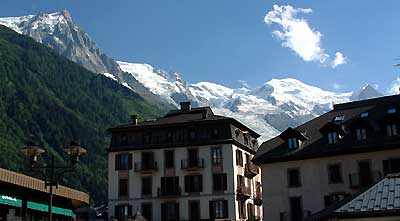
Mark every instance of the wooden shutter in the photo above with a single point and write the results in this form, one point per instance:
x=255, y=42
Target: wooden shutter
x=117, y=162
x=386, y=167
x=163, y=211
x=225, y=208
x=187, y=185
x=200, y=183
x=130, y=161
x=129, y=210
x=212, y=210
x=177, y=211
x=224, y=182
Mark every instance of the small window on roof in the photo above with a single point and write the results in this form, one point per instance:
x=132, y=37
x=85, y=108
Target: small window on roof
x=339, y=118
x=364, y=114
x=391, y=110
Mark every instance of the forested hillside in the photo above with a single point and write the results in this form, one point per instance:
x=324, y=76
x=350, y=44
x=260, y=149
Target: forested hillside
x=51, y=100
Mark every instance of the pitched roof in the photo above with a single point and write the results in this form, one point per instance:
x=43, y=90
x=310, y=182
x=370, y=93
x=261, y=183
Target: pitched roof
x=345, y=116
x=381, y=199
x=383, y=196
x=193, y=115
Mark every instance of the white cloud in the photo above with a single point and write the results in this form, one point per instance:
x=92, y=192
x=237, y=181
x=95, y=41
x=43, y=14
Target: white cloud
x=296, y=34
x=339, y=59
x=395, y=87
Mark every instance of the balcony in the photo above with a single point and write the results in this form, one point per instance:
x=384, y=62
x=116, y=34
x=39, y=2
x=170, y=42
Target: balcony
x=192, y=164
x=172, y=193
x=360, y=180
x=147, y=167
x=258, y=199
x=243, y=193
x=251, y=170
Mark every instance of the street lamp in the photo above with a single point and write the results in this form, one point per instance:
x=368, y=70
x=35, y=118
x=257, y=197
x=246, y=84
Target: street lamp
x=32, y=152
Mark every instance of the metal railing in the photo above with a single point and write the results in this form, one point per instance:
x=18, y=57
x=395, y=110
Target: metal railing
x=192, y=164
x=148, y=166
x=359, y=180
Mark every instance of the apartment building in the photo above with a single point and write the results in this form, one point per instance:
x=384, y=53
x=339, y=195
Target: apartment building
x=310, y=167
x=187, y=165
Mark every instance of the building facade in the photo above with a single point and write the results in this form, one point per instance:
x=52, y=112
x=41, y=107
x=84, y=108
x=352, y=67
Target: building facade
x=329, y=158
x=188, y=165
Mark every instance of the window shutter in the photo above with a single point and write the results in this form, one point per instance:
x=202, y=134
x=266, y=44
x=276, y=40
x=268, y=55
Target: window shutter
x=116, y=212
x=130, y=161
x=225, y=208
x=117, y=162
x=177, y=211
x=386, y=167
x=224, y=184
x=212, y=210
x=200, y=183
x=187, y=184
x=129, y=210
x=163, y=211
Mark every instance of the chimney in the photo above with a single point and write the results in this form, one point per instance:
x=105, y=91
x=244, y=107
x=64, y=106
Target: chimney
x=186, y=106
x=134, y=119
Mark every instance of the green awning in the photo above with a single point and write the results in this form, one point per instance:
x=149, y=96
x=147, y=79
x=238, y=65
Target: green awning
x=11, y=201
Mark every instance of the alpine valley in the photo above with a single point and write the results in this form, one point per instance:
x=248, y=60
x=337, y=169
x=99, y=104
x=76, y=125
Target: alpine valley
x=268, y=108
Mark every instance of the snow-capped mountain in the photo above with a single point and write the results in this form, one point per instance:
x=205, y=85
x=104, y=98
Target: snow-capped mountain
x=58, y=31
x=268, y=108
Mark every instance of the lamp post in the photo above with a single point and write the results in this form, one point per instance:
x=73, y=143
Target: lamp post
x=32, y=152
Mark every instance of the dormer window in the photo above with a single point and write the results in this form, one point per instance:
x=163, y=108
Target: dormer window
x=391, y=130
x=332, y=137
x=361, y=134
x=391, y=110
x=293, y=143
x=339, y=118
x=364, y=114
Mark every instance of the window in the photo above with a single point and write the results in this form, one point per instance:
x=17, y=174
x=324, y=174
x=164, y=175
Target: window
x=122, y=211
x=147, y=160
x=335, y=173
x=192, y=134
x=339, y=118
x=219, y=209
x=294, y=177
x=147, y=211
x=364, y=114
x=296, y=209
x=194, y=210
x=293, y=143
x=246, y=138
x=193, y=183
x=147, y=138
x=123, y=161
x=240, y=181
x=333, y=198
x=216, y=155
x=391, y=166
x=332, y=137
x=391, y=110
x=170, y=186
x=147, y=186
x=391, y=130
x=169, y=211
x=242, y=209
x=361, y=134
x=239, y=158
x=123, y=187
x=219, y=182
x=169, y=159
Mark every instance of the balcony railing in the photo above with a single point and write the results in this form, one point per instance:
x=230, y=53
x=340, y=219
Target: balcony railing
x=258, y=199
x=251, y=170
x=243, y=192
x=192, y=164
x=145, y=167
x=358, y=180
x=169, y=193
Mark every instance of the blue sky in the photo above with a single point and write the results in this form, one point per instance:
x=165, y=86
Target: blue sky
x=225, y=41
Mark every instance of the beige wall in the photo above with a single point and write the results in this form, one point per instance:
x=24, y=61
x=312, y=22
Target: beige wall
x=314, y=179
x=135, y=199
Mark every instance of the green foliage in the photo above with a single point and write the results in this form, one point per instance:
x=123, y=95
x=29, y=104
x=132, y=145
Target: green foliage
x=53, y=101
